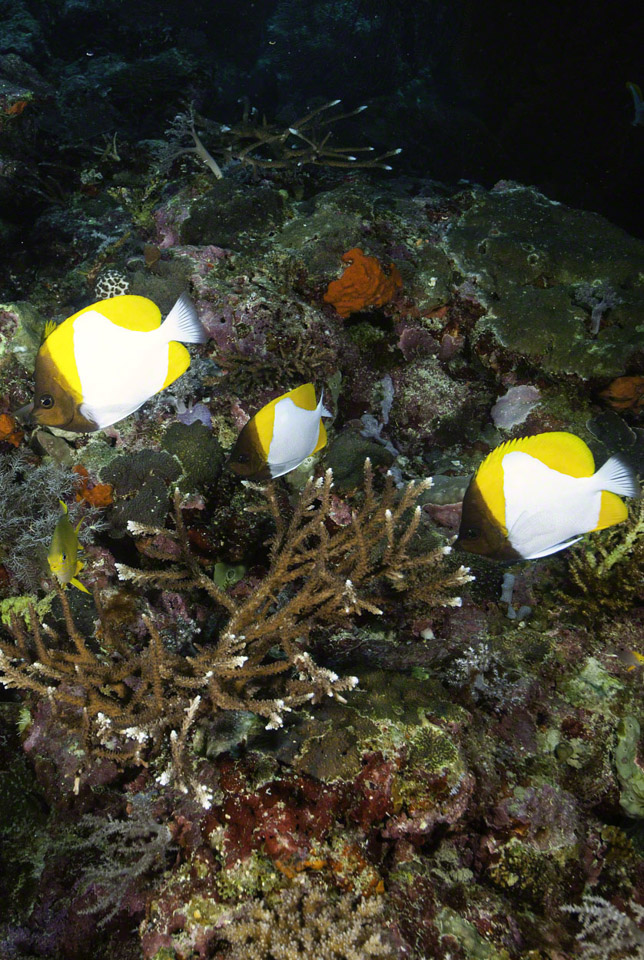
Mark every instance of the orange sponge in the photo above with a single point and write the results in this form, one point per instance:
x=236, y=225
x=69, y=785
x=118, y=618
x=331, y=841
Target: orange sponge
x=364, y=283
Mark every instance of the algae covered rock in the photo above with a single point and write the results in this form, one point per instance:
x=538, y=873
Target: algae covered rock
x=198, y=451
x=346, y=455
x=140, y=481
x=232, y=215
x=538, y=265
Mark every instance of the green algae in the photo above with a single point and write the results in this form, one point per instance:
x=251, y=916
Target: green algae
x=468, y=937
x=593, y=687
x=198, y=452
x=629, y=771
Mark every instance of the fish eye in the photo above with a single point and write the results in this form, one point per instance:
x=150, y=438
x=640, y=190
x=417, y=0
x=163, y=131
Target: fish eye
x=472, y=533
x=46, y=401
x=64, y=556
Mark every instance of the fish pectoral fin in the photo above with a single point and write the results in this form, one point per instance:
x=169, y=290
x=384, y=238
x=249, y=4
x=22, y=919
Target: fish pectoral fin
x=89, y=415
x=79, y=586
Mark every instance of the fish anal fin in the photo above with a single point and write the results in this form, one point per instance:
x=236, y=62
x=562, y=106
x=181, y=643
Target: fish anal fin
x=613, y=510
x=79, y=586
x=555, y=548
x=178, y=362
x=321, y=439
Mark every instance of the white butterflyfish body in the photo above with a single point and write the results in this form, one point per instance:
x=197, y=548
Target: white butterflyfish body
x=281, y=435
x=534, y=496
x=104, y=362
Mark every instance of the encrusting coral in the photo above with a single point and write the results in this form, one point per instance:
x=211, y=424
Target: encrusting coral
x=124, y=695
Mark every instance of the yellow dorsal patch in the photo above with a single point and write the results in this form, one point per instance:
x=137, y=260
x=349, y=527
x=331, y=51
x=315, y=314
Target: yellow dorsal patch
x=59, y=347
x=133, y=313
x=560, y=451
x=303, y=397
x=613, y=510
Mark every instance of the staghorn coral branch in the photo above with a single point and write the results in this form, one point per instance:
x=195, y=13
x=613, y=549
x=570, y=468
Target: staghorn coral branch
x=126, y=695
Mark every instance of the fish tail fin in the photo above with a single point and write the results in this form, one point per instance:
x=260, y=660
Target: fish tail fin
x=617, y=476
x=183, y=324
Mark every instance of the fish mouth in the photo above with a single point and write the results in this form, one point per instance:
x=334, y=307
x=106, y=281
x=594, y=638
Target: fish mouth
x=24, y=414
x=27, y=416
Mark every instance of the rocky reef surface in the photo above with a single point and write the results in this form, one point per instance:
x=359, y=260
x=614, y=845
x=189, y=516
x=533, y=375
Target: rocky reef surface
x=430, y=766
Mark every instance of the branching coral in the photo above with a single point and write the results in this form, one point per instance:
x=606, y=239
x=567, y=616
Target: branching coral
x=606, y=932
x=123, y=694
x=270, y=146
x=129, y=852
x=608, y=575
x=306, y=921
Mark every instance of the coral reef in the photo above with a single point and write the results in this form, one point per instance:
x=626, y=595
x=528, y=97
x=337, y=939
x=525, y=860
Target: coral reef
x=605, y=574
x=30, y=508
x=608, y=933
x=290, y=721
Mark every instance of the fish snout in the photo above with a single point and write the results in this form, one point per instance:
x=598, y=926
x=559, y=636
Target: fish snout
x=25, y=414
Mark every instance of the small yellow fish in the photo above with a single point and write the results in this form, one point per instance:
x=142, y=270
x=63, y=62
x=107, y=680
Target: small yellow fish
x=63, y=552
x=104, y=362
x=631, y=659
x=536, y=495
x=280, y=435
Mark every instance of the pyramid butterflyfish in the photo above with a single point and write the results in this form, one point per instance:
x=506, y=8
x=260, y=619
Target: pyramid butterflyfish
x=536, y=495
x=104, y=362
x=280, y=436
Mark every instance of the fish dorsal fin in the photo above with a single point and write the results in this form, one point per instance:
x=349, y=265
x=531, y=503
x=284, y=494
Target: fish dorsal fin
x=131, y=312
x=560, y=451
x=50, y=326
x=303, y=397
x=612, y=511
